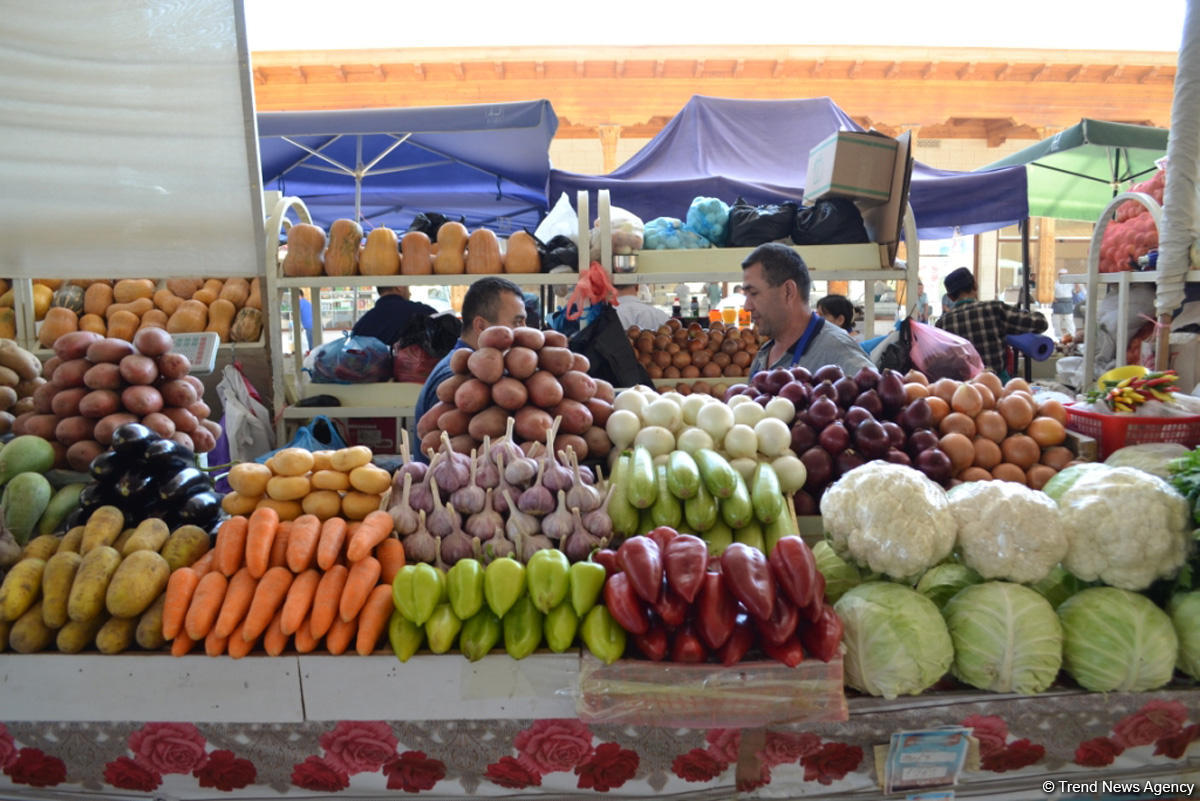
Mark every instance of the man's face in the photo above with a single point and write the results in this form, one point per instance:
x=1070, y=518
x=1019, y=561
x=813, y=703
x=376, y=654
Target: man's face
x=768, y=305
x=512, y=311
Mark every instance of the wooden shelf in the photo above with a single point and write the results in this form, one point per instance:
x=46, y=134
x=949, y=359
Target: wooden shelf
x=867, y=259
x=521, y=279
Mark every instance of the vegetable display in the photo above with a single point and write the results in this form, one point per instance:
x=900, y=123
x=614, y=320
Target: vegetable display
x=672, y=351
x=20, y=377
x=1007, y=531
x=296, y=481
x=1117, y=641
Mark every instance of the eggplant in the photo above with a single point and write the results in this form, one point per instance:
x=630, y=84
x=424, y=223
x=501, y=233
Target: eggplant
x=131, y=439
x=183, y=484
x=108, y=466
x=168, y=454
x=93, y=496
x=136, y=482
x=202, y=509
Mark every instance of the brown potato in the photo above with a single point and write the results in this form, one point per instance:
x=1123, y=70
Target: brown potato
x=104, y=375
x=491, y=422
x=50, y=366
x=471, y=396
x=73, y=429
x=499, y=337
x=576, y=419
x=65, y=403
x=598, y=442
x=509, y=393
x=74, y=345
x=445, y=390
x=201, y=410
x=172, y=365
x=202, y=440
x=43, y=398
x=580, y=362
x=578, y=386
x=544, y=389
x=183, y=439
x=486, y=364
x=573, y=441
x=532, y=423
x=152, y=342
x=185, y=422
x=458, y=360
x=178, y=392
x=555, y=339
x=556, y=360
x=39, y=425
x=142, y=400
x=138, y=369
x=428, y=421
x=454, y=422
x=70, y=373
x=521, y=362
x=81, y=453
x=600, y=410
x=99, y=403
x=526, y=337
x=160, y=424
x=108, y=350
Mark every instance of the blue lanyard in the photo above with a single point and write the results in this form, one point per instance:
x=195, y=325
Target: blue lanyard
x=815, y=323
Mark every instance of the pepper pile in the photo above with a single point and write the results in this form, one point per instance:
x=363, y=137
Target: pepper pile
x=677, y=604
x=1126, y=395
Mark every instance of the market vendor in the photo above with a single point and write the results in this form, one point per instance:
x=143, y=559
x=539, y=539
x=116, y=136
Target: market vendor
x=776, y=284
x=632, y=310
x=391, y=316
x=985, y=323
x=490, y=301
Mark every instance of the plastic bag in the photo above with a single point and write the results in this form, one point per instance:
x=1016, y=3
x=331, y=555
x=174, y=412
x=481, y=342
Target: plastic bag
x=321, y=434
x=561, y=221
x=830, y=221
x=669, y=233
x=350, y=360
x=246, y=428
x=428, y=223
x=604, y=342
x=627, y=233
x=709, y=217
x=411, y=363
x=750, y=226
x=561, y=251
x=940, y=354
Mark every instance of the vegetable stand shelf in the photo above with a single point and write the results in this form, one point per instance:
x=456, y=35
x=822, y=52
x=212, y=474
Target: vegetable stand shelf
x=443, y=728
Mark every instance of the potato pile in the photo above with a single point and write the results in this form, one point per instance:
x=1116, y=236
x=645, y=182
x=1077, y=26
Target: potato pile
x=97, y=383
x=527, y=375
x=20, y=376
x=693, y=352
x=296, y=481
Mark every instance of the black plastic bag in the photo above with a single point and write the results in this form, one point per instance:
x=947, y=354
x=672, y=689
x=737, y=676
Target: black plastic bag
x=428, y=223
x=750, y=226
x=606, y=346
x=830, y=221
x=435, y=333
x=560, y=252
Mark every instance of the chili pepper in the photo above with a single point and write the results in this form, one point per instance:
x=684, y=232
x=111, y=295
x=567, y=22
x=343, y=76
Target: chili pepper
x=822, y=638
x=522, y=628
x=503, y=584
x=685, y=559
x=624, y=605
x=782, y=624
x=479, y=635
x=560, y=627
x=441, y=629
x=749, y=579
x=652, y=644
x=662, y=536
x=739, y=643
x=607, y=557
x=417, y=590
x=586, y=580
x=641, y=560
x=686, y=646
x=602, y=635
x=790, y=653
x=464, y=587
x=716, y=611
x=1161, y=395
x=795, y=569
x=671, y=607
x=404, y=635
x=546, y=577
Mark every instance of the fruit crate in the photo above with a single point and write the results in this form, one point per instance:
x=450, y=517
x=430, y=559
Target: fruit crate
x=1115, y=431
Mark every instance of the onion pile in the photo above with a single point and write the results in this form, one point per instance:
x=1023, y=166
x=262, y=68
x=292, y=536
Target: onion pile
x=673, y=351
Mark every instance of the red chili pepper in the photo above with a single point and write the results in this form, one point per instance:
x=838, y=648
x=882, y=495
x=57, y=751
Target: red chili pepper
x=671, y=607
x=641, y=560
x=716, y=611
x=821, y=639
x=812, y=611
x=791, y=653
x=624, y=605
x=795, y=569
x=749, y=579
x=686, y=646
x=739, y=643
x=686, y=560
x=608, y=558
x=652, y=644
x=661, y=536
x=778, y=628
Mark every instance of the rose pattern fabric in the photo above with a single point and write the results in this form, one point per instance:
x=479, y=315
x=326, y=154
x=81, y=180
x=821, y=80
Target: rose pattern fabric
x=784, y=748
x=1174, y=746
x=8, y=749
x=169, y=747
x=1014, y=756
x=510, y=773
x=831, y=762
x=723, y=744
x=223, y=770
x=990, y=730
x=1154, y=720
x=609, y=767
x=698, y=765
x=413, y=772
x=358, y=746
x=129, y=774
x=745, y=785
x=549, y=746
x=34, y=767
x=315, y=774
x=1097, y=753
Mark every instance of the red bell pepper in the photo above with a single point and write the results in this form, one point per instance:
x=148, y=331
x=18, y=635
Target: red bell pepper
x=812, y=611
x=641, y=560
x=652, y=644
x=671, y=607
x=749, y=579
x=624, y=605
x=686, y=560
x=821, y=639
x=608, y=558
x=686, y=646
x=716, y=611
x=791, y=653
x=739, y=643
x=781, y=625
x=662, y=536
x=795, y=569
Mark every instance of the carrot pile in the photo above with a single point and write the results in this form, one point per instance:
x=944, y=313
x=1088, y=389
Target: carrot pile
x=270, y=581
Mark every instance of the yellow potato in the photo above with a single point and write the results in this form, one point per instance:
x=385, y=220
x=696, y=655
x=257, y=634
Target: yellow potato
x=79, y=634
x=41, y=547
x=357, y=505
x=322, y=503
x=71, y=540
x=116, y=635
x=149, y=634
x=235, y=503
x=91, y=582
x=21, y=587
x=249, y=478
x=346, y=459
x=140, y=579
x=102, y=528
x=370, y=479
x=185, y=545
x=29, y=634
x=56, y=587
x=287, y=510
x=119, y=543
x=288, y=488
x=321, y=460
x=334, y=480
x=291, y=462
x=150, y=535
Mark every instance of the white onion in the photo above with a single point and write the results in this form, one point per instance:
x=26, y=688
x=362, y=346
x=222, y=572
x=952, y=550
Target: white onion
x=744, y=466
x=773, y=435
x=655, y=439
x=781, y=408
x=692, y=405
x=661, y=460
x=792, y=473
x=741, y=442
x=622, y=426
x=738, y=400
x=631, y=400
x=716, y=419
x=693, y=439
x=663, y=412
x=748, y=414
x=674, y=397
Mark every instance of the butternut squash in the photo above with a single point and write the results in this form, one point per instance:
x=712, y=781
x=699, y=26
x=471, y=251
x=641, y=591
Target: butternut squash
x=4, y=285
x=416, y=254
x=8, y=299
x=247, y=326
x=190, y=318
x=50, y=283
x=254, y=301
x=341, y=255
x=123, y=324
x=205, y=296
x=42, y=297
x=58, y=321
x=452, y=241
x=214, y=284
x=139, y=307
x=220, y=317
x=521, y=255
x=8, y=324
x=94, y=323
x=167, y=301
x=381, y=255
x=483, y=253
x=305, y=244
x=235, y=290
x=184, y=287
x=97, y=298
x=131, y=289
x=155, y=318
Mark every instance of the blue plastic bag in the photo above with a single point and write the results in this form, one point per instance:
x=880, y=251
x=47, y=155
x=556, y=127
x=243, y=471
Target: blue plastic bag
x=709, y=217
x=320, y=434
x=350, y=360
x=669, y=233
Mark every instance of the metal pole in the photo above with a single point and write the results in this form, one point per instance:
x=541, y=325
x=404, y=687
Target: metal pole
x=1025, y=295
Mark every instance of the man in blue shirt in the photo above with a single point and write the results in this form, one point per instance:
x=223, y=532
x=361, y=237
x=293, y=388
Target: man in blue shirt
x=391, y=316
x=490, y=301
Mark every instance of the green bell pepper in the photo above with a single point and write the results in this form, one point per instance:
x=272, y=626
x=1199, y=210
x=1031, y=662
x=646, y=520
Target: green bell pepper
x=417, y=590
x=546, y=576
x=464, y=587
x=522, y=628
x=503, y=584
x=602, y=636
x=560, y=627
x=479, y=635
x=442, y=628
x=404, y=635
x=586, y=581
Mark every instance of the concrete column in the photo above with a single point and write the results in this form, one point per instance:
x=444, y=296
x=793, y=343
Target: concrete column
x=609, y=136
x=1047, y=269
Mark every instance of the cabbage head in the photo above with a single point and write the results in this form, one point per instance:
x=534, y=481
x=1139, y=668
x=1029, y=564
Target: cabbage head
x=1185, y=614
x=1006, y=638
x=896, y=641
x=1152, y=457
x=1058, y=586
x=840, y=575
x=942, y=582
x=1064, y=479
x=1117, y=640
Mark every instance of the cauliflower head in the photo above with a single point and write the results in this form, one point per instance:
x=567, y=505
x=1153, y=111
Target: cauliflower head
x=1124, y=527
x=1007, y=531
x=889, y=518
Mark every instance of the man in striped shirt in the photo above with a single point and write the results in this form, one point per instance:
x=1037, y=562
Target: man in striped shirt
x=985, y=323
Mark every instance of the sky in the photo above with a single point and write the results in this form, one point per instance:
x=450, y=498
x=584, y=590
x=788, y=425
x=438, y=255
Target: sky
x=1153, y=25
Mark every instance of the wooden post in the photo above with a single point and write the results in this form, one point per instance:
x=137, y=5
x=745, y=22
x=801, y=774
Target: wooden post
x=610, y=135
x=1047, y=272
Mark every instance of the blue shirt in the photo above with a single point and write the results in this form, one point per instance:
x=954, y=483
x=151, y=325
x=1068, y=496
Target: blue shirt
x=428, y=397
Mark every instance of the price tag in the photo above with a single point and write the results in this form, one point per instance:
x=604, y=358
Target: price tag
x=201, y=350
x=924, y=759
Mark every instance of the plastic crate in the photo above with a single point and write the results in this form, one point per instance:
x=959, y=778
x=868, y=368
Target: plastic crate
x=1114, y=431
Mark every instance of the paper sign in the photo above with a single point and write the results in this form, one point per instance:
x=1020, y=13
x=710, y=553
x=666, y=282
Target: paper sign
x=926, y=758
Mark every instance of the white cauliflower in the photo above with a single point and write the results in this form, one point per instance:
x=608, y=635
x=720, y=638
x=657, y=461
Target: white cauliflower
x=889, y=518
x=1007, y=531
x=1124, y=527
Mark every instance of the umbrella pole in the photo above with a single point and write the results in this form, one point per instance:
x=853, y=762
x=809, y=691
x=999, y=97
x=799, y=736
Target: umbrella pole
x=1025, y=295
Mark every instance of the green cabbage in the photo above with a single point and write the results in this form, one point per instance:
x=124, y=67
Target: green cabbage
x=1006, y=638
x=1063, y=480
x=839, y=574
x=1118, y=640
x=1153, y=457
x=896, y=641
x=941, y=582
x=1185, y=614
x=1058, y=586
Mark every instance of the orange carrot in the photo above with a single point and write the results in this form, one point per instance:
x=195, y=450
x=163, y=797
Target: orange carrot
x=305, y=641
x=302, y=542
x=278, y=556
x=329, y=548
x=239, y=645
x=363, y=576
x=206, y=604
x=274, y=640
x=325, y=602
x=373, y=619
x=351, y=528
x=214, y=645
x=375, y=528
x=260, y=536
x=268, y=598
x=230, y=548
x=180, y=588
x=204, y=563
x=182, y=644
x=299, y=601
x=237, y=600
x=390, y=554
x=340, y=635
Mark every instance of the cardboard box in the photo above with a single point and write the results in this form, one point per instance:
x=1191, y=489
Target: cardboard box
x=853, y=165
x=1185, y=359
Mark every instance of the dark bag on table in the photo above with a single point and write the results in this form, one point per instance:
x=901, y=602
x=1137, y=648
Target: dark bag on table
x=428, y=223
x=606, y=346
x=750, y=226
x=830, y=221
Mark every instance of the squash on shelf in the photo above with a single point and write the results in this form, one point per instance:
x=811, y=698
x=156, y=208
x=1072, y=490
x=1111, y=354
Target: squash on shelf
x=138, y=307
x=42, y=295
x=131, y=289
x=247, y=326
x=97, y=298
x=483, y=253
x=452, y=241
x=184, y=287
x=381, y=255
x=94, y=323
x=68, y=297
x=155, y=318
x=341, y=254
x=50, y=283
x=416, y=254
x=235, y=290
x=123, y=324
x=58, y=321
x=167, y=301
x=305, y=246
x=254, y=301
x=220, y=317
x=8, y=323
x=521, y=255
x=190, y=318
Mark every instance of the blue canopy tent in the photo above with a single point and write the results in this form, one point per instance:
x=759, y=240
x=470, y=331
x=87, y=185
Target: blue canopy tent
x=487, y=163
x=758, y=149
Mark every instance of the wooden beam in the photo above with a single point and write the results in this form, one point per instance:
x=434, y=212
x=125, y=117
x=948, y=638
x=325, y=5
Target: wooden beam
x=893, y=70
x=458, y=70
x=539, y=69
x=739, y=67
x=1150, y=73
x=777, y=68
x=1112, y=74
x=579, y=68
x=929, y=70
x=498, y=66
x=967, y=71
x=1003, y=71
x=697, y=72
x=1039, y=72
x=1074, y=74
x=658, y=68
x=855, y=68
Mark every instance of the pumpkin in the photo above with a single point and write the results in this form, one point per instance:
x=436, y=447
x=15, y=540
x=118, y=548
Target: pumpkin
x=452, y=241
x=235, y=290
x=97, y=298
x=94, y=323
x=521, y=255
x=58, y=321
x=167, y=301
x=123, y=324
x=220, y=317
x=341, y=256
x=416, y=254
x=184, y=287
x=381, y=256
x=68, y=297
x=42, y=295
x=50, y=283
x=155, y=318
x=8, y=324
x=139, y=307
x=189, y=318
x=483, y=253
x=254, y=301
x=206, y=296
x=247, y=326
x=305, y=244
x=131, y=289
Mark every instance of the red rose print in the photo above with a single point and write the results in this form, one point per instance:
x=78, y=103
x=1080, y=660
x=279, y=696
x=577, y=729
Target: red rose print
x=226, y=772
x=168, y=747
x=123, y=772
x=510, y=773
x=990, y=730
x=412, y=772
x=1154, y=720
x=698, y=765
x=33, y=767
x=723, y=744
x=319, y=776
x=1016, y=755
x=832, y=761
x=8, y=749
x=1174, y=746
x=783, y=748
x=1097, y=753
x=610, y=767
x=764, y=778
x=548, y=746
x=359, y=746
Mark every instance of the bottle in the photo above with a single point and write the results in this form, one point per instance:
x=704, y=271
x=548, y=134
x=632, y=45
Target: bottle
x=676, y=311
x=695, y=307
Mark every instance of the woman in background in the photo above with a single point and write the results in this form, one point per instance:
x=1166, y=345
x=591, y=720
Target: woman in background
x=838, y=310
